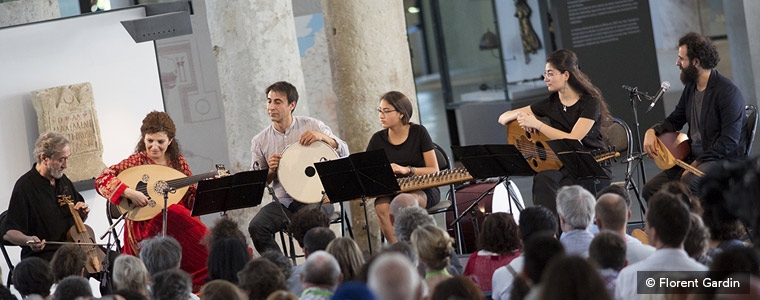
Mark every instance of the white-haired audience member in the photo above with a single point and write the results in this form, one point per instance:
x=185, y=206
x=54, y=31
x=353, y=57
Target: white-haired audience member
x=321, y=276
x=575, y=207
x=393, y=277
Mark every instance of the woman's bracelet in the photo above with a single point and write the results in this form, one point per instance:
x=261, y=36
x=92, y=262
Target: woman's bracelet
x=411, y=171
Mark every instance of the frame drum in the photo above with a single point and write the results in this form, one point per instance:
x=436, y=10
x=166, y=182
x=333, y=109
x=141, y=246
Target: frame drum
x=296, y=170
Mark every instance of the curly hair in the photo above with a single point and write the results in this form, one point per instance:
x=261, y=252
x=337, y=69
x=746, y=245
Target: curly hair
x=157, y=121
x=304, y=220
x=434, y=245
x=500, y=234
x=408, y=220
x=48, y=144
x=68, y=260
x=260, y=277
x=224, y=228
x=700, y=48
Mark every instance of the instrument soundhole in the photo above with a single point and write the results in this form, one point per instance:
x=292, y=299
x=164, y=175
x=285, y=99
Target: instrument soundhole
x=310, y=171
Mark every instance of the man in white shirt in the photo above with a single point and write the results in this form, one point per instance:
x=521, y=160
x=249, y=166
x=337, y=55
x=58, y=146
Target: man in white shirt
x=612, y=214
x=667, y=222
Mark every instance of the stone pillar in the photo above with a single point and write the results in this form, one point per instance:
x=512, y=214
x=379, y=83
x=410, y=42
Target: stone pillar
x=744, y=46
x=255, y=45
x=28, y=11
x=369, y=55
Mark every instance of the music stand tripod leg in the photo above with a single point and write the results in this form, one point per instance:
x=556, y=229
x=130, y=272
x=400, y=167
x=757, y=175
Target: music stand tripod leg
x=512, y=197
x=366, y=225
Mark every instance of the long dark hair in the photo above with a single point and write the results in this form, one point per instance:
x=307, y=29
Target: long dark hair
x=566, y=60
x=157, y=121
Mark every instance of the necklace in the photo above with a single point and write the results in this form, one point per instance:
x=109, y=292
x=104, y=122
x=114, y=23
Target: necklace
x=564, y=107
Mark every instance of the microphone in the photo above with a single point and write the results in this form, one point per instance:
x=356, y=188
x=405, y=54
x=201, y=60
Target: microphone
x=634, y=157
x=635, y=90
x=663, y=87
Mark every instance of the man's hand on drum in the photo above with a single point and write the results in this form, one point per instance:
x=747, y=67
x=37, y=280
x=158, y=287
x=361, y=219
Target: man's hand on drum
x=309, y=137
x=274, y=162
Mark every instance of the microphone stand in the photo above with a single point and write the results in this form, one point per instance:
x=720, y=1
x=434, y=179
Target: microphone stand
x=165, y=210
x=638, y=159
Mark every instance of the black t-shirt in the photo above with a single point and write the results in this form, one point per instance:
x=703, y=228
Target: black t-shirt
x=408, y=153
x=34, y=210
x=564, y=118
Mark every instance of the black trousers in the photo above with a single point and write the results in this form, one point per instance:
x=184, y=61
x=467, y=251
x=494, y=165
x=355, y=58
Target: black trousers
x=546, y=184
x=270, y=220
x=673, y=174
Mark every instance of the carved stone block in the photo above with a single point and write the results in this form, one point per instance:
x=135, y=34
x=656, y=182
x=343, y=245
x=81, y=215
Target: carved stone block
x=70, y=110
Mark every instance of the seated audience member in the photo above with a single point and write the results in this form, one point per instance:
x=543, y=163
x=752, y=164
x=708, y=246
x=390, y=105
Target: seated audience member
x=572, y=278
x=404, y=248
x=667, y=223
x=260, y=278
x=226, y=258
x=160, y=253
x=315, y=239
x=533, y=219
x=729, y=262
x=434, y=246
x=321, y=276
x=349, y=256
x=697, y=239
x=539, y=250
x=129, y=273
x=412, y=217
x=725, y=229
x=68, y=260
x=171, y=284
x=282, y=295
x=221, y=290
x=575, y=207
x=279, y=259
x=612, y=213
x=457, y=287
x=73, y=287
x=33, y=276
x=6, y=294
x=224, y=228
x=393, y=277
x=353, y=290
x=304, y=220
x=499, y=243
x=682, y=191
x=607, y=251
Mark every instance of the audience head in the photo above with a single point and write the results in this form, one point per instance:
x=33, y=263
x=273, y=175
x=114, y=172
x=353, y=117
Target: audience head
x=572, y=277
x=611, y=212
x=282, y=295
x=72, y=288
x=225, y=228
x=667, y=220
x=408, y=220
x=317, y=239
x=434, y=246
x=171, y=284
x=405, y=248
x=575, y=205
x=737, y=259
x=607, y=250
x=499, y=234
x=221, y=290
x=321, y=269
x=259, y=278
x=617, y=190
x=401, y=202
x=280, y=260
x=304, y=220
x=349, y=256
x=458, y=287
x=129, y=273
x=697, y=238
x=129, y=295
x=33, y=276
x=539, y=250
x=730, y=191
x=681, y=190
x=226, y=258
x=536, y=219
x=160, y=253
x=393, y=277
x=68, y=260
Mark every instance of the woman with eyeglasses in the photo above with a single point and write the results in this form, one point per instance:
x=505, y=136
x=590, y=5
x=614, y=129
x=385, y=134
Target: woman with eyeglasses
x=410, y=152
x=575, y=110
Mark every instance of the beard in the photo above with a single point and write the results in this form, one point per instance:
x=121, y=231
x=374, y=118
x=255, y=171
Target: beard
x=57, y=173
x=689, y=74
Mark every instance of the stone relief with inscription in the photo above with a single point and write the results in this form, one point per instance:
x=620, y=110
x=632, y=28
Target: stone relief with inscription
x=70, y=110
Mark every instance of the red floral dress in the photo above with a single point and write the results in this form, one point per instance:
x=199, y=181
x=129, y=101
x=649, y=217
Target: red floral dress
x=186, y=229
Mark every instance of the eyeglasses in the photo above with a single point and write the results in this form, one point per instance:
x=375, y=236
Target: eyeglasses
x=385, y=111
x=548, y=74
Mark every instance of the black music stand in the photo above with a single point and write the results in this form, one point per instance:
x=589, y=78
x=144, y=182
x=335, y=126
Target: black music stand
x=486, y=161
x=577, y=160
x=241, y=190
x=360, y=175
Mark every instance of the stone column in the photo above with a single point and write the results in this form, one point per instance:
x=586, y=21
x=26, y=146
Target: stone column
x=28, y=11
x=369, y=55
x=255, y=45
x=744, y=46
